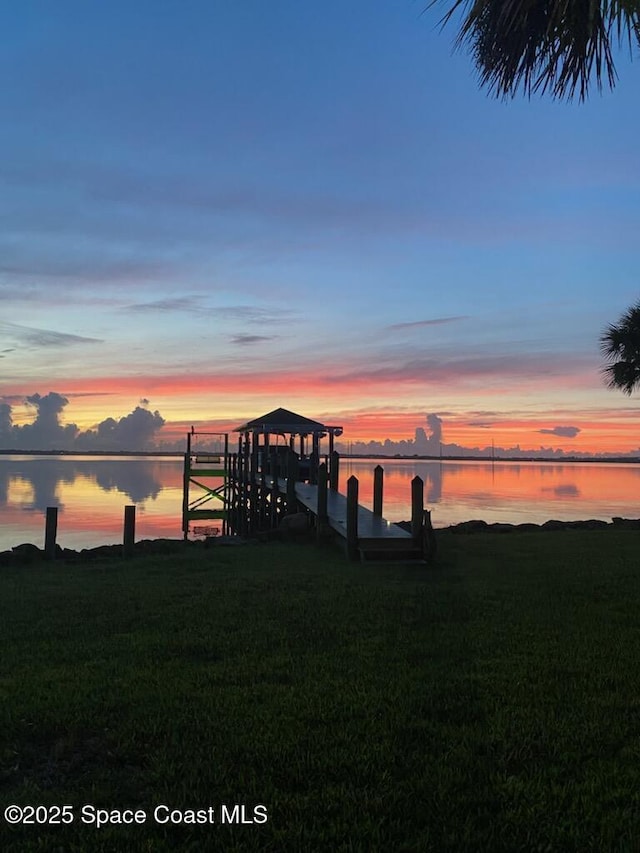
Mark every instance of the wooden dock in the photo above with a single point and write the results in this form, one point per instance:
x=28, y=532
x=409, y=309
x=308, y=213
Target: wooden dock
x=377, y=538
x=254, y=489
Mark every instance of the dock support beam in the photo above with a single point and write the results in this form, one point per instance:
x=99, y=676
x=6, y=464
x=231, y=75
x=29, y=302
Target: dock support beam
x=352, y=518
x=378, y=477
x=322, y=520
x=417, y=511
x=129, y=535
x=292, y=479
x=334, y=468
x=50, y=532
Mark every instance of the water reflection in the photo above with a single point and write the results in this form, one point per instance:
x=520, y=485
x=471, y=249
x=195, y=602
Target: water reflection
x=90, y=493
x=504, y=491
x=135, y=478
x=564, y=490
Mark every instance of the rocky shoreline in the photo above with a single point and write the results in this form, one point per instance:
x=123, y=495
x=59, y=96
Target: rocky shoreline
x=29, y=553
x=478, y=526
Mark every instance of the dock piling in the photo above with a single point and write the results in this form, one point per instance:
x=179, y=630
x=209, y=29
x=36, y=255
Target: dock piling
x=352, y=518
x=129, y=535
x=50, y=532
x=378, y=478
x=292, y=477
x=334, y=469
x=322, y=519
x=417, y=510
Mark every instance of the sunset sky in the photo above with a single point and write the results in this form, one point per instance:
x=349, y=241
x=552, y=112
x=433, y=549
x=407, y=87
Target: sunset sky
x=225, y=207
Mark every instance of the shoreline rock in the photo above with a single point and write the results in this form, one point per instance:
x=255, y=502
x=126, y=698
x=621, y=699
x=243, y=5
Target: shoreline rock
x=479, y=526
x=27, y=553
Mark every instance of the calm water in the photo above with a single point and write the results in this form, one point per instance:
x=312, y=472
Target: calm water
x=91, y=493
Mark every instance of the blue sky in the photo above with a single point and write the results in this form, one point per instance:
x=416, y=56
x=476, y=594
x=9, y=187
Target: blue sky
x=228, y=207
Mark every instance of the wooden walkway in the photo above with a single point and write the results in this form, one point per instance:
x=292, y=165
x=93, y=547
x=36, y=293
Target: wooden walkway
x=377, y=537
x=370, y=526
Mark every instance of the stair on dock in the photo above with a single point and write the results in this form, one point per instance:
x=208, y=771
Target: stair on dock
x=389, y=550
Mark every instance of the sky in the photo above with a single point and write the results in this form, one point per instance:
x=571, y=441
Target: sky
x=213, y=209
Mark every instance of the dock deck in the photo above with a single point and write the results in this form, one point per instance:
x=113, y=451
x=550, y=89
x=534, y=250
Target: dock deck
x=370, y=526
x=377, y=537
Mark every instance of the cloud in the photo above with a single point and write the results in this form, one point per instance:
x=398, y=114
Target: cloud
x=565, y=431
x=438, y=321
x=134, y=431
x=449, y=369
x=45, y=432
x=6, y=422
x=44, y=264
x=243, y=340
x=178, y=303
x=43, y=337
x=253, y=314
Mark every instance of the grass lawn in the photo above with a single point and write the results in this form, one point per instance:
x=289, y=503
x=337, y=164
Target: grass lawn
x=490, y=702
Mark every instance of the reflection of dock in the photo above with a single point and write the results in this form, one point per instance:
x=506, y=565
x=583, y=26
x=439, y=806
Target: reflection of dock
x=253, y=490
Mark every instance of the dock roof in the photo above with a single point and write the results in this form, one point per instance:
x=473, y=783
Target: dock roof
x=282, y=420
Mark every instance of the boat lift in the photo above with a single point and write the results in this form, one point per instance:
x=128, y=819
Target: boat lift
x=206, y=487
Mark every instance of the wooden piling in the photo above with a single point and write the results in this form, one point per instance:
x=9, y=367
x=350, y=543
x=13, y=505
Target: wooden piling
x=292, y=478
x=129, y=535
x=417, y=510
x=352, y=518
x=273, y=501
x=322, y=515
x=378, y=478
x=50, y=532
x=334, y=470
x=186, y=476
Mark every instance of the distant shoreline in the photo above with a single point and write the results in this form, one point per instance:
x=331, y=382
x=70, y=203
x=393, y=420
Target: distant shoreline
x=475, y=458
x=91, y=453
x=390, y=457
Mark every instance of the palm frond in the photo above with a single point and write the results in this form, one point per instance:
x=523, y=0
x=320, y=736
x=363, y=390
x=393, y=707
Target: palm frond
x=623, y=376
x=540, y=45
x=620, y=346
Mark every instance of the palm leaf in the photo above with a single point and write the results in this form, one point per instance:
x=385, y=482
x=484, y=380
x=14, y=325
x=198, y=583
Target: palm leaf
x=620, y=346
x=541, y=45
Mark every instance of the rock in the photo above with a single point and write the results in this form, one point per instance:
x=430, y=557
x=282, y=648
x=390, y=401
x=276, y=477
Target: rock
x=553, y=524
x=473, y=526
x=101, y=551
x=590, y=524
x=626, y=523
x=214, y=541
x=294, y=527
x=69, y=554
x=501, y=527
x=160, y=546
x=295, y=522
x=27, y=552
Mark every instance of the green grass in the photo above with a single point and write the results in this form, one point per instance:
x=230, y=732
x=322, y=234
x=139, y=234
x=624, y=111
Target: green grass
x=488, y=703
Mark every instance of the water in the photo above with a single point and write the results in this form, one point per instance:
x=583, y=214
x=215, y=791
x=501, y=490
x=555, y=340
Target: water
x=513, y=492
x=91, y=493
